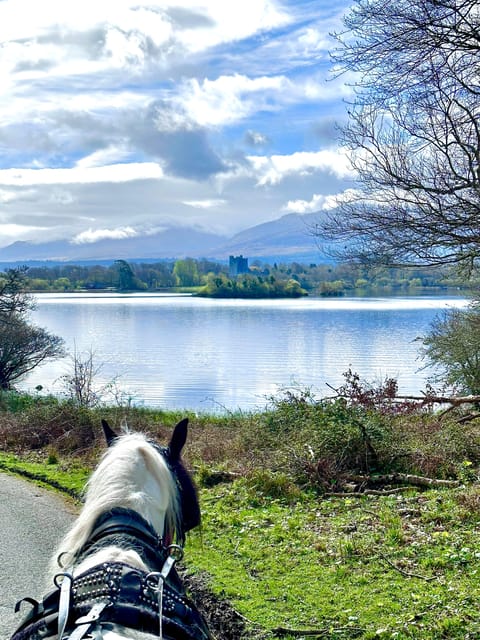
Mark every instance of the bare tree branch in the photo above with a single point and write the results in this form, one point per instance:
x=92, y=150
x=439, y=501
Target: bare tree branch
x=413, y=133
x=22, y=346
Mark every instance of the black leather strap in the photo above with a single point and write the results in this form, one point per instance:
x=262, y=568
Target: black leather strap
x=130, y=529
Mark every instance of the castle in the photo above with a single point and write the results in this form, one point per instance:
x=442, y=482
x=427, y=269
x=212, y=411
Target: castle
x=237, y=265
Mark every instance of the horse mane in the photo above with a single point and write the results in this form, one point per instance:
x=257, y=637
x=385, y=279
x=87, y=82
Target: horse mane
x=133, y=474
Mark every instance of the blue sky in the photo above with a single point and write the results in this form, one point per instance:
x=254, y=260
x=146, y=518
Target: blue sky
x=119, y=118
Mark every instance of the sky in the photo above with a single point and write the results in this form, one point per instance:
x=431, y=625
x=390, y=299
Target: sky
x=120, y=118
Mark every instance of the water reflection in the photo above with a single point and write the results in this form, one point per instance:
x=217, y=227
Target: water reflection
x=191, y=353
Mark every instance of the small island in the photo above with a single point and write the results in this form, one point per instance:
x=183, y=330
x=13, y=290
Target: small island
x=250, y=286
x=242, y=282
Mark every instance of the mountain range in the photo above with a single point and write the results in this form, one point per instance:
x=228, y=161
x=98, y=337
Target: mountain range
x=289, y=238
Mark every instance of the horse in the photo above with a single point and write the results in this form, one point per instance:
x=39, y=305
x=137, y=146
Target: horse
x=114, y=572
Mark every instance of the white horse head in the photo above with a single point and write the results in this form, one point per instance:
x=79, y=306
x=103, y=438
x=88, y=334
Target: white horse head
x=135, y=473
x=139, y=503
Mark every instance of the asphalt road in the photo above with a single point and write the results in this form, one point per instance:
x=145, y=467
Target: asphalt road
x=32, y=521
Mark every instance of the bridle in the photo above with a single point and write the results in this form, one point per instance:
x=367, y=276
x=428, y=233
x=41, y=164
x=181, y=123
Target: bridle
x=85, y=605
x=126, y=528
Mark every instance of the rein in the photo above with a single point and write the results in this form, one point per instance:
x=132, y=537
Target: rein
x=115, y=592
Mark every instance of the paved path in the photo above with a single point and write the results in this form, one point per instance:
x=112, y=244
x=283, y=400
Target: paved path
x=32, y=521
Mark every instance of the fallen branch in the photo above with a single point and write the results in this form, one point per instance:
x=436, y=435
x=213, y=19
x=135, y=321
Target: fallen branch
x=280, y=632
x=404, y=478
x=468, y=418
x=367, y=492
x=407, y=574
x=422, y=400
x=455, y=401
x=442, y=414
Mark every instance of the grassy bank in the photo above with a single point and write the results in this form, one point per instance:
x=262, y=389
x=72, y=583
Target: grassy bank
x=403, y=566
x=314, y=514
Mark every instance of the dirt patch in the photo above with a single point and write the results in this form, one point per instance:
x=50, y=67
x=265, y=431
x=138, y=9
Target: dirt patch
x=223, y=621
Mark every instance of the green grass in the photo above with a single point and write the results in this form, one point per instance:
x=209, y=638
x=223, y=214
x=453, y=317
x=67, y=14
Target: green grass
x=374, y=567
x=68, y=478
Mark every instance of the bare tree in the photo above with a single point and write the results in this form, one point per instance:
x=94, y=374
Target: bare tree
x=80, y=383
x=23, y=346
x=413, y=133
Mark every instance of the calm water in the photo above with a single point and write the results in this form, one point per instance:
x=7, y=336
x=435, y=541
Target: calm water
x=201, y=354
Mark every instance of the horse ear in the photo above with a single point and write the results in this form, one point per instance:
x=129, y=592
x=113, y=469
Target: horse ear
x=110, y=434
x=179, y=437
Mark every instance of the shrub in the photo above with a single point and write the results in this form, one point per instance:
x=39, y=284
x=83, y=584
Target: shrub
x=453, y=347
x=316, y=441
x=298, y=439
x=67, y=427
x=275, y=485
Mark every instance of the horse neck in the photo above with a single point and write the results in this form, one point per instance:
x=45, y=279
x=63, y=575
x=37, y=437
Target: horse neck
x=134, y=475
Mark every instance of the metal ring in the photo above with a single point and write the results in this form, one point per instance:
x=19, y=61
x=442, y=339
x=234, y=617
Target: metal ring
x=61, y=575
x=153, y=580
x=175, y=552
x=59, y=559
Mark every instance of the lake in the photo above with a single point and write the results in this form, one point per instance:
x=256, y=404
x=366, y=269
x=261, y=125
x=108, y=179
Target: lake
x=182, y=352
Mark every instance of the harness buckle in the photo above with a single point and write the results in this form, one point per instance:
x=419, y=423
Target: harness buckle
x=175, y=551
x=93, y=615
x=83, y=625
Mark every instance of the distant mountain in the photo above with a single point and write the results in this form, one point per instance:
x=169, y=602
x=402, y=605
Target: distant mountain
x=176, y=242
x=289, y=238
x=284, y=238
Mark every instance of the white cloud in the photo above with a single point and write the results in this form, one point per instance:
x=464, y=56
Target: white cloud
x=204, y=204
x=271, y=170
x=312, y=39
x=58, y=110
x=305, y=206
x=256, y=139
x=103, y=157
x=124, y=114
x=231, y=21
x=319, y=202
x=7, y=196
x=61, y=197
x=94, y=235
x=96, y=36
x=229, y=98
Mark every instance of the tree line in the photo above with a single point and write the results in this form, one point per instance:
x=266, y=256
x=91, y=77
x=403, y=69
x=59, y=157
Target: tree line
x=453, y=342
x=213, y=278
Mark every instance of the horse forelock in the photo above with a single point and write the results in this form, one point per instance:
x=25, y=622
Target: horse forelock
x=133, y=474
